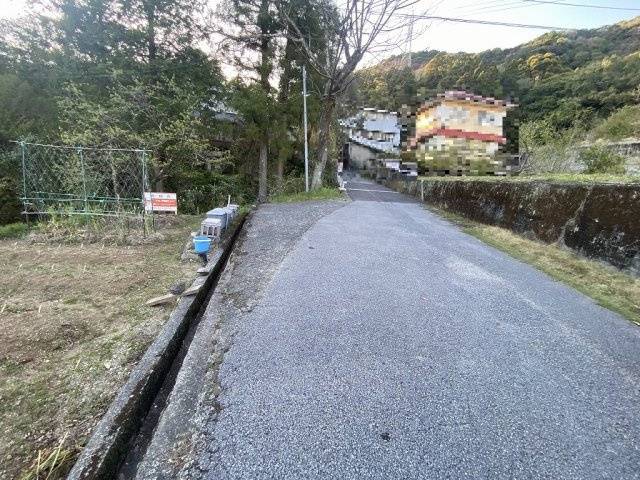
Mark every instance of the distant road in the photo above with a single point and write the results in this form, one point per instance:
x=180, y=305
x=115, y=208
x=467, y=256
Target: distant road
x=384, y=343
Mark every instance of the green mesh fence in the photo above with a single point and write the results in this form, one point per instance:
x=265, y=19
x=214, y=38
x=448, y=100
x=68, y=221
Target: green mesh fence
x=71, y=180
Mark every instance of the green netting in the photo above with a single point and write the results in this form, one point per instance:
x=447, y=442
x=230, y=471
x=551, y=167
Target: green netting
x=99, y=181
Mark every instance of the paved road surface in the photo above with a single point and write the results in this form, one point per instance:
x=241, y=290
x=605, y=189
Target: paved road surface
x=386, y=344
x=360, y=189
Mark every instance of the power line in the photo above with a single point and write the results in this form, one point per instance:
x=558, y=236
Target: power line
x=604, y=7
x=469, y=10
x=497, y=9
x=487, y=22
x=474, y=5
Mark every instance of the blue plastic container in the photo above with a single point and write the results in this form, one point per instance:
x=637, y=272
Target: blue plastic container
x=201, y=243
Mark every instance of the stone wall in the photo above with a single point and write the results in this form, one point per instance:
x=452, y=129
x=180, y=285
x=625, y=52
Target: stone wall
x=630, y=150
x=599, y=221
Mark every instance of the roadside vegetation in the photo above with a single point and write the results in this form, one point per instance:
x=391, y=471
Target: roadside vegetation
x=325, y=193
x=73, y=323
x=607, y=286
x=13, y=230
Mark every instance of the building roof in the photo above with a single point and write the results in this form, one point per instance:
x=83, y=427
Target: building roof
x=462, y=95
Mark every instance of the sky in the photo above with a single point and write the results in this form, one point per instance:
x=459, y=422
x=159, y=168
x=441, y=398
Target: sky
x=455, y=37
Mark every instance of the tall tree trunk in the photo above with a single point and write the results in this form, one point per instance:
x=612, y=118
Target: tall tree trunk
x=265, y=71
x=158, y=178
x=280, y=173
x=262, y=175
x=152, y=47
x=283, y=97
x=328, y=105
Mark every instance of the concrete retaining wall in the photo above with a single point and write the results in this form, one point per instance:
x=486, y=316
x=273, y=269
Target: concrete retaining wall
x=599, y=221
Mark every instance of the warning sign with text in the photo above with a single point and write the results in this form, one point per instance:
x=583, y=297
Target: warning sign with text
x=160, y=202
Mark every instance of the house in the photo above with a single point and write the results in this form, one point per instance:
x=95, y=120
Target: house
x=459, y=133
x=370, y=133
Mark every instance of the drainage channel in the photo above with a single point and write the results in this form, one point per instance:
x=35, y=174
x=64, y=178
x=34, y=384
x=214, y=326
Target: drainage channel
x=122, y=437
x=139, y=443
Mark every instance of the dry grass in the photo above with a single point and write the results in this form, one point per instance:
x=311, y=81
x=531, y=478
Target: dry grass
x=325, y=193
x=72, y=325
x=608, y=286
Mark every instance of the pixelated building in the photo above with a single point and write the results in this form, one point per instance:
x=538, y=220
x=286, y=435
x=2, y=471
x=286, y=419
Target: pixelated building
x=457, y=133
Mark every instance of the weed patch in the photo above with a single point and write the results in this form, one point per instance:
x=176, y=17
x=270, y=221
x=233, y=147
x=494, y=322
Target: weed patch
x=325, y=193
x=13, y=230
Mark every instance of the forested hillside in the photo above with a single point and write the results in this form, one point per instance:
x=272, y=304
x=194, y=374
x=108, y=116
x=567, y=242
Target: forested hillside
x=570, y=79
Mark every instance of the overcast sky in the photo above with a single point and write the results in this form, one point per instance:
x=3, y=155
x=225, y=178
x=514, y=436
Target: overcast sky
x=455, y=37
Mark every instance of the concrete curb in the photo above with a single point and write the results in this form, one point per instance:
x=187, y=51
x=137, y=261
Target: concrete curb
x=108, y=445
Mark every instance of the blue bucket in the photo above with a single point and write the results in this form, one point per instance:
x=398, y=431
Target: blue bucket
x=201, y=244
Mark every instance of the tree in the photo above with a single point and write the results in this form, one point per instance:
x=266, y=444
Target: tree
x=133, y=63
x=250, y=43
x=351, y=32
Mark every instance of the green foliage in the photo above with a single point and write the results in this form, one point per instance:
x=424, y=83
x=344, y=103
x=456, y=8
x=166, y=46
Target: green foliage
x=10, y=206
x=324, y=193
x=599, y=159
x=542, y=65
x=457, y=161
x=623, y=123
x=209, y=189
x=544, y=149
x=13, y=230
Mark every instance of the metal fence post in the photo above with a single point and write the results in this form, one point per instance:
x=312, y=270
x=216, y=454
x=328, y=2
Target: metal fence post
x=23, y=147
x=143, y=160
x=84, y=180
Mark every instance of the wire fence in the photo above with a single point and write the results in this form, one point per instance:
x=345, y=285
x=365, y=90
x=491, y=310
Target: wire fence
x=82, y=180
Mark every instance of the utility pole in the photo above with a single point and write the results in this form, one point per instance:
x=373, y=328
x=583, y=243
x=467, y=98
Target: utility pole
x=306, y=146
x=410, y=39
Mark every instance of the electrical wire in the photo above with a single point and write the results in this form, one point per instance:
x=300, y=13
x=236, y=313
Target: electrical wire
x=486, y=22
x=583, y=5
x=496, y=9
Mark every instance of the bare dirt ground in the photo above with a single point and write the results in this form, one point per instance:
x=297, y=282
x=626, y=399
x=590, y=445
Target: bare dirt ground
x=72, y=325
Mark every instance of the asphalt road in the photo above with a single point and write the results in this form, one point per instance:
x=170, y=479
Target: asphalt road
x=384, y=343
x=359, y=189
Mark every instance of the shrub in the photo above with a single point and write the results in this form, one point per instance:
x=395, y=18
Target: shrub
x=13, y=230
x=599, y=159
x=623, y=123
x=10, y=205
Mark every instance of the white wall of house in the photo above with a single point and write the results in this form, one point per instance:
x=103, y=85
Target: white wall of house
x=377, y=128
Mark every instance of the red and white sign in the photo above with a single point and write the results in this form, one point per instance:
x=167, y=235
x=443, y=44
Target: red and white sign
x=160, y=202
